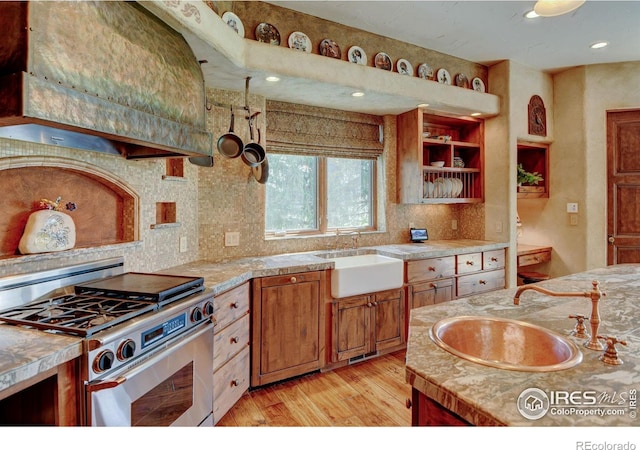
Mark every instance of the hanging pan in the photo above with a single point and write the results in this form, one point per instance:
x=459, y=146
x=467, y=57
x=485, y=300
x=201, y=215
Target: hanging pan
x=253, y=154
x=229, y=144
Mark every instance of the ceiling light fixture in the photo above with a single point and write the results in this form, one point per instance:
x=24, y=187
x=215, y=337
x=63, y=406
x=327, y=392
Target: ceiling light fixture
x=476, y=114
x=531, y=14
x=597, y=45
x=552, y=8
x=358, y=94
x=423, y=105
x=272, y=79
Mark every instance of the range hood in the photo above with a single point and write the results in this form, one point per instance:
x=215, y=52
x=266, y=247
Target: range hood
x=101, y=76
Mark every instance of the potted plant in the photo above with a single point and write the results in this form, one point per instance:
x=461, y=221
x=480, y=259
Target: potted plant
x=528, y=178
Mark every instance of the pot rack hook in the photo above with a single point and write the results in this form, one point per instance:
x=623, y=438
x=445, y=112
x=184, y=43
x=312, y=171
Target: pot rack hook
x=246, y=93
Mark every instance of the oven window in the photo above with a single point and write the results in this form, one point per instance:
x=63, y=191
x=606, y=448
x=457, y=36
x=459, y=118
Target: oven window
x=163, y=404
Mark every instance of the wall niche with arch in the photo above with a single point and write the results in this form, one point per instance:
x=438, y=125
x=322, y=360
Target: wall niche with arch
x=106, y=210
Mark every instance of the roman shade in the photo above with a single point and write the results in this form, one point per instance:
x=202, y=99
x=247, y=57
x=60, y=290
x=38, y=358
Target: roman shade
x=309, y=130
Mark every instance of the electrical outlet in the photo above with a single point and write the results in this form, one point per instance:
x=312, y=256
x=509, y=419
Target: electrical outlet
x=232, y=239
x=573, y=220
x=572, y=207
x=183, y=244
x=412, y=225
x=454, y=224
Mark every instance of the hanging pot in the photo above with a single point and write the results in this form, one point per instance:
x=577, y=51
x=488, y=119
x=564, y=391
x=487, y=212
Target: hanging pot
x=253, y=153
x=229, y=144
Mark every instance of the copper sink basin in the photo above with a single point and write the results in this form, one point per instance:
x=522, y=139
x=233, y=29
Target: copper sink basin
x=505, y=344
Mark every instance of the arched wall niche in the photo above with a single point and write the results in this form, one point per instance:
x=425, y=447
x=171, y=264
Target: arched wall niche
x=107, y=209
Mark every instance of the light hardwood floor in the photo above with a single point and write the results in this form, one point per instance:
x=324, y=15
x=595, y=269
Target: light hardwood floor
x=369, y=393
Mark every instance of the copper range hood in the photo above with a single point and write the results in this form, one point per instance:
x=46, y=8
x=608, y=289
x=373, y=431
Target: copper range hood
x=104, y=76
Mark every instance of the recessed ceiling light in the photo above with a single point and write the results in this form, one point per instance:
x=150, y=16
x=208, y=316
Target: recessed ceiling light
x=358, y=94
x=272, y=79
x=476, y=114
x=531, y=14
x=597, y=45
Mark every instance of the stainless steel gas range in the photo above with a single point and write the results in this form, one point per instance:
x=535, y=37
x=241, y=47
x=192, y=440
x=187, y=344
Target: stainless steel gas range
x=148, y=339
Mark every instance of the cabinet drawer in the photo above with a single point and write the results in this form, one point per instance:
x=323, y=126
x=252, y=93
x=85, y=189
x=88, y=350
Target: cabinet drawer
x=290, y=279
x=534, y=258
x=480, y=282
x=493, y=260
x=230, y=341
x=469, y=263
x=431, y=292
x=229, y=383
x=430, y=269
x=229, y=306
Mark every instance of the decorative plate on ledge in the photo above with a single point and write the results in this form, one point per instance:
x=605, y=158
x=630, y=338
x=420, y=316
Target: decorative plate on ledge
x=357, y=55
x=234, y=22
x=300, y=41
x=329, y=48
x=383, y=61
x=462, y=81
x=425, y=71
x=478, y=85
x=265, y=32
x=404, y=67
x=443, y=76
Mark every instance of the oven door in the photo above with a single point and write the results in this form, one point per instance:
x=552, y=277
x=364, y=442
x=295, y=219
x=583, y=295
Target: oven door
x=174, y=387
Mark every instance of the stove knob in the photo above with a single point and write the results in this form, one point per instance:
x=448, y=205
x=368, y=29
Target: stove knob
x=208, y=308
x=126, y=349
x=196, y=315
x=104, y=361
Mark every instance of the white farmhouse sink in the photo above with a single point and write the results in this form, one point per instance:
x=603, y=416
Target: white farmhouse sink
x=363, y=274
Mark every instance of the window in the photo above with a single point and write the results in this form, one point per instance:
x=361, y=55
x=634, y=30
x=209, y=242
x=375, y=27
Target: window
x=316, y=194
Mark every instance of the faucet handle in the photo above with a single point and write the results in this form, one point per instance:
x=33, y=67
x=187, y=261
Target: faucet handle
x=579, y=331
x=610, y=355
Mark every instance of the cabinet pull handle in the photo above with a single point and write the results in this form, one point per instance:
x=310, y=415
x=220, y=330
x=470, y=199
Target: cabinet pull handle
x=235, y=382
x=407, y=403
x=235, y=340
x=432, y=269
x=293, y=279
x=369, y=305
x=235, y=305
x=469, y=263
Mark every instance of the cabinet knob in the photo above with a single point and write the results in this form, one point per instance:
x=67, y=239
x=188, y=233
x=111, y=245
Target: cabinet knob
x=369, y=304
x=482, y=282
x=407, y=403
x=432, y=269
x=293, y=279
x=469, y=263
x=611, y=239
x=235, y=340
x=235, y=305
x=235, y=382
x=494, y=259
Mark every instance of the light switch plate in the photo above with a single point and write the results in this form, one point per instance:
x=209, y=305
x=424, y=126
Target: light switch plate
x=572, y=207
x=232, y=239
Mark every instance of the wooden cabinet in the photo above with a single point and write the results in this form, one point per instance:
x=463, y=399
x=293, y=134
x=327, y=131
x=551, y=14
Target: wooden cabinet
x=427, y=412
x=230, y=349
x=287, y=326
x=49, y=398
x=480, y=272
x=423, y=139
x=534, y=157
x=367, y=324
x=530, y=255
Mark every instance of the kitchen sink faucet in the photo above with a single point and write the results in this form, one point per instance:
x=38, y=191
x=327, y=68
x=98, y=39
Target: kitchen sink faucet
x=595, y=294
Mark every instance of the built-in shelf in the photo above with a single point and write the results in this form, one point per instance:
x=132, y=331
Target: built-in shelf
x=534, y=157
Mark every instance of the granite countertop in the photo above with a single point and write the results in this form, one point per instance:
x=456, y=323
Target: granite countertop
x=484, y=395
x=25, y=353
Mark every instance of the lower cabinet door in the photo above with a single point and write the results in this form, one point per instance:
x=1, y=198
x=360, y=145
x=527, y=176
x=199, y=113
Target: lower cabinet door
x=351, y=325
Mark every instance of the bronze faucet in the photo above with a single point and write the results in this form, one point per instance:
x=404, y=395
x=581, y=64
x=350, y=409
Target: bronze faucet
x=595, y=294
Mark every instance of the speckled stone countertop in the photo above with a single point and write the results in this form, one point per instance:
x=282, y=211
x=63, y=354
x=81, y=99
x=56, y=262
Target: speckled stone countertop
x=25, y=353
x=488, y=396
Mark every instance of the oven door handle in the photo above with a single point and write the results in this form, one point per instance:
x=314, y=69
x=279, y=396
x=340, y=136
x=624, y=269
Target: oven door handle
x=106, y=384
